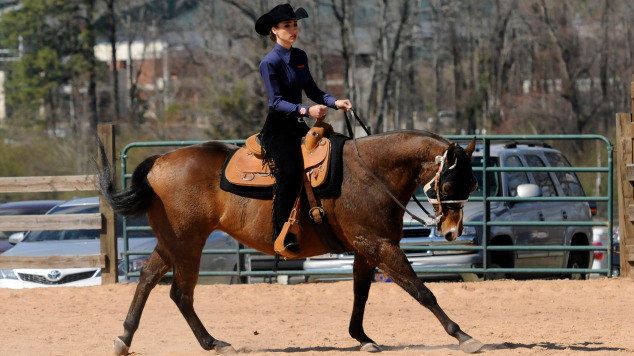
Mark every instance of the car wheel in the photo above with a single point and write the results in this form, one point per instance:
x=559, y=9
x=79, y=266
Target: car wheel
x=489, y=276
x=577, y=260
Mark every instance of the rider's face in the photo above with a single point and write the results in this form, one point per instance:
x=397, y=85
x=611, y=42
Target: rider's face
x=286, y=32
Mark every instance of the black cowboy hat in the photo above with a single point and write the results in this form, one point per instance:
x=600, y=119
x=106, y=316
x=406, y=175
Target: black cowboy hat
x=283, y=12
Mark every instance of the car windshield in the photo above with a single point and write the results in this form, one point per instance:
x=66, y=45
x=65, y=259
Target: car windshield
x=492, y=178
x=86, y=234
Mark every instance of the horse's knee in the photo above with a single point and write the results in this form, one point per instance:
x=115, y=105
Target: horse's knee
x=182, y=300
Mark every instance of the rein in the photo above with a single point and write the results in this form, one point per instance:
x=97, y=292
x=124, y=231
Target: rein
x=440, y=160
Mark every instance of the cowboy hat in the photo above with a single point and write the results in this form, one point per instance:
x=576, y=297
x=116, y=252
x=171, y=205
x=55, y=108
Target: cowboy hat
x=283, y=12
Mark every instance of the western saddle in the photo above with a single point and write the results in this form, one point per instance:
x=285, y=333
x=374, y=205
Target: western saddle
x=248, y=168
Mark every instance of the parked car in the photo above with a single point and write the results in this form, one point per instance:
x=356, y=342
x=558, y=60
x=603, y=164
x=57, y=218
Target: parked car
x=27, y=207
x=502, y=184
x=86, y=242
x=600, y=261
x=615, y=263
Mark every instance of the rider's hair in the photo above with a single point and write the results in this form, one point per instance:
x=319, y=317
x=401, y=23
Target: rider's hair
x=272, y=36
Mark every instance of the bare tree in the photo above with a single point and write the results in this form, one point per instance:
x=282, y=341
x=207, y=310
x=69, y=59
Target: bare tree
x=112, y=36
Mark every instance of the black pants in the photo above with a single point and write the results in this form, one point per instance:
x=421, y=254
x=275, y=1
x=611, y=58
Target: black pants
x=281, y=138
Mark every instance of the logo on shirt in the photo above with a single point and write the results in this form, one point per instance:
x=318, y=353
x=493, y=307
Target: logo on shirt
x=301, y=66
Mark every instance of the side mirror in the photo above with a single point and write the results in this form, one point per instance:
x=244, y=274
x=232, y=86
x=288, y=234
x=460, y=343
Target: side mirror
x=528, y=191
x=16, y=237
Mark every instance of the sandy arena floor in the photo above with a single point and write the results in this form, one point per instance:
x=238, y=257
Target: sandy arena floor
x=550, y=317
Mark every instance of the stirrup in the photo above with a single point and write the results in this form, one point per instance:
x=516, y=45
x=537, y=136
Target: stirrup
x=280, y=245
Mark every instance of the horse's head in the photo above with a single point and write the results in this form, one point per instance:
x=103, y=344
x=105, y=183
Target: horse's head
x=450, y=188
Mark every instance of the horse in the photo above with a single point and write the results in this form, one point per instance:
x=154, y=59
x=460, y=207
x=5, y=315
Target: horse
x=181, y=194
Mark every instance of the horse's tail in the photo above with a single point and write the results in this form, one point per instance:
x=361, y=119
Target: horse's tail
x=136, y=199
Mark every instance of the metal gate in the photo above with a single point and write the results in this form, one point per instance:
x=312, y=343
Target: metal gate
x=485, y=141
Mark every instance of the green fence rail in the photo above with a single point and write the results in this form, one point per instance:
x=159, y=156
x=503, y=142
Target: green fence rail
x=485, y=142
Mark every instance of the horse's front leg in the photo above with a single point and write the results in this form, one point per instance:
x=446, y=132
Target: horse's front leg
x=362, y=274
x=391, y=259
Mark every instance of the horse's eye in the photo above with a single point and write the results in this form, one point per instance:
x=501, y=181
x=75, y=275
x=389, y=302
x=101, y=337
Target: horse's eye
x=445, y=188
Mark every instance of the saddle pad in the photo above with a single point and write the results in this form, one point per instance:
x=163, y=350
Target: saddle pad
x=331, y=187
x=247, y=169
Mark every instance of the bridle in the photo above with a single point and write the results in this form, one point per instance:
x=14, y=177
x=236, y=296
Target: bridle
x=453, y=204
x=433, y=186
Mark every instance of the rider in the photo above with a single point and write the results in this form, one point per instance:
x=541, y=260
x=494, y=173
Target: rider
x=285, y=73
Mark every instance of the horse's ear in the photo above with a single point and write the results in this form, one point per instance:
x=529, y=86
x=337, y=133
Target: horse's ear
x=470, y=147
x=451, y=153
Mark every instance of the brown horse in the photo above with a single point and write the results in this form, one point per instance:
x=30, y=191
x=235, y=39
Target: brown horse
x=180, y=192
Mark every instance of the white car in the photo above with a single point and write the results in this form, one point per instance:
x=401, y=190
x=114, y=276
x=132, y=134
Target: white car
x=86, y=242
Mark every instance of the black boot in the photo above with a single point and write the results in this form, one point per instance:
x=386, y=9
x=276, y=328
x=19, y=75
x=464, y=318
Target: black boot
x=291, y=243
x=282, y=148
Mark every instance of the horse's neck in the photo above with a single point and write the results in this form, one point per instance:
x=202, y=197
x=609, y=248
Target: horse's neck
x=401, y=157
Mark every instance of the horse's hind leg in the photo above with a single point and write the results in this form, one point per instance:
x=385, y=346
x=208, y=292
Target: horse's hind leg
x=362, y=272
x=391, y=259
x=152, y=271
x=182, y=293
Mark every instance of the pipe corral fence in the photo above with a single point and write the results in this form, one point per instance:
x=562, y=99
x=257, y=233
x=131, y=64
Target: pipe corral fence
x=485, y=225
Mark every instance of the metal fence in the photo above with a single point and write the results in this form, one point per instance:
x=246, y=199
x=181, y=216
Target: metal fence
x=485, y=141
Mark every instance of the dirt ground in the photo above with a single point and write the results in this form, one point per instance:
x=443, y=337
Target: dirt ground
x=550, y=317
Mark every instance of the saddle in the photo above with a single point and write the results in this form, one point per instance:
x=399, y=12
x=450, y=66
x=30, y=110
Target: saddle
x=247, y=167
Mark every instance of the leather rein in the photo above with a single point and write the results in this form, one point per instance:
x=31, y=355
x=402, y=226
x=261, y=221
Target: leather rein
x=435, y=181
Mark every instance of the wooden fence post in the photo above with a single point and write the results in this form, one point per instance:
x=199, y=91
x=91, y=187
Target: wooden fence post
x=625, y=154
x=108, y=235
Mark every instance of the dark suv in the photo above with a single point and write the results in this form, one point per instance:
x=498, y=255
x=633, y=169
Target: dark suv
x=502, y=184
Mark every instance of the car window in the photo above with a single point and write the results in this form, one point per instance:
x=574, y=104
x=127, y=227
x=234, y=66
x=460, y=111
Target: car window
x=542, y=179
x=85, y=234
x=514, y=178
x=45, y=235
x=80, y=235
x=568, y=180
x=492, y=177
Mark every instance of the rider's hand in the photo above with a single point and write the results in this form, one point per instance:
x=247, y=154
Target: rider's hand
x=343, y=104
x=318, y=112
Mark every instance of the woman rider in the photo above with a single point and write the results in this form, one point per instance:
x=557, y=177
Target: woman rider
x=285, y=73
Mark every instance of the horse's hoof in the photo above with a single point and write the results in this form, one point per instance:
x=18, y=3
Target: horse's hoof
x=471, y=346
x=224, y=348
x=370, y=347
x=120, y=348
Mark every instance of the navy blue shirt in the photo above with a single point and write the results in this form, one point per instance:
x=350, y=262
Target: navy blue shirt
x=285, y=73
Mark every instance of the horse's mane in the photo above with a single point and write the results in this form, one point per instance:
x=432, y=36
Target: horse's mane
x=419, y=133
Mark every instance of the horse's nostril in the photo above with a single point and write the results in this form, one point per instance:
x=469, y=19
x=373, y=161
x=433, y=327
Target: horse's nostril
x=449, y=236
